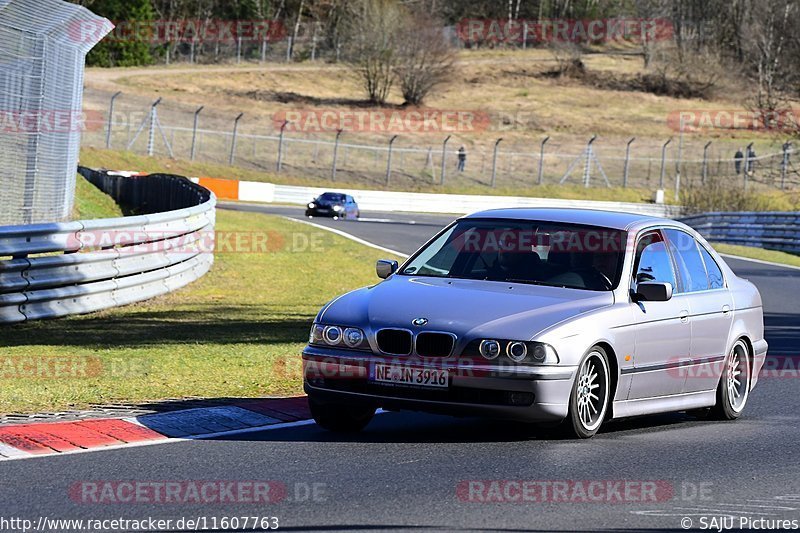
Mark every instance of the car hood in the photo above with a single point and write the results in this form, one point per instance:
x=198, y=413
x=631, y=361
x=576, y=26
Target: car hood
x=469, y=308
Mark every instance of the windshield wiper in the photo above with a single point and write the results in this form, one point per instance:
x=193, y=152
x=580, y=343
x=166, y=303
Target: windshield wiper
x=528, y=282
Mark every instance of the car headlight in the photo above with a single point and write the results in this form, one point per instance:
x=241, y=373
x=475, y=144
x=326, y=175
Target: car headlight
x=353, y=337
x=341, y=336
x=312, y=205
x=490, y=349
x=520, y=352
x=337, y=208
x=517, y=351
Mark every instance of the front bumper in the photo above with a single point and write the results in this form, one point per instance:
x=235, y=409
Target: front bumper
x=520, y=393
x=323, y=212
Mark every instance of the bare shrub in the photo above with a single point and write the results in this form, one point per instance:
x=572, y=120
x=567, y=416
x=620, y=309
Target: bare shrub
x=425, y=58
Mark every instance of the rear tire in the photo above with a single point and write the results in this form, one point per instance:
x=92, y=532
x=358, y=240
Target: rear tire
x=734, y=384
x=341, y=418
x=588, y=402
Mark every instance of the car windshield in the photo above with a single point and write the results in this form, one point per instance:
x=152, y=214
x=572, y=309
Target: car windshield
x=331, y=197
x=532, y=252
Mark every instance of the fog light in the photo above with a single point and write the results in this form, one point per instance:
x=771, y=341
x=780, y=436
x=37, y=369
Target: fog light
x=516, y=351
x=333, y=335
x=353, y=337
x=519, y=398
x=490, y=349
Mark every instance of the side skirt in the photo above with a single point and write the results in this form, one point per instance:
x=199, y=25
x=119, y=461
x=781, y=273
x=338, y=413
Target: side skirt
x=665, y=404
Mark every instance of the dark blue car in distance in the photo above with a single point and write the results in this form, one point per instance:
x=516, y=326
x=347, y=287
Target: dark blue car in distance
x=333, y=204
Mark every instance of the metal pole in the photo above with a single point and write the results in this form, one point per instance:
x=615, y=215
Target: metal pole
x=194, y=131
x=279, y=166
x=232, y=158
x=389, y=160
x=111, y=119
x=747, y=163
x=444, y=158
x=627, y=162
x=587, y=167
x=238, y=50
x=705, y=162
x=335, y=154
x=289, y=50
x=663, y=162
x=494, y=161
x=785, y=163
x=541, y=160
x=153, y=118
x=678, y=163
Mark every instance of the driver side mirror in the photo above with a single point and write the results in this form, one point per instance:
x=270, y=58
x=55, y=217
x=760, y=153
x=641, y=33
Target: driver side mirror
x=653, y=291
x=385, y=268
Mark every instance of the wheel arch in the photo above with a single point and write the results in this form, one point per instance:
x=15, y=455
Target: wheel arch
x=614, y=366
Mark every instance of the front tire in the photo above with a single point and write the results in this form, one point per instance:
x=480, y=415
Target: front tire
x=341, y=418
x=588, y=402
x=734, y=384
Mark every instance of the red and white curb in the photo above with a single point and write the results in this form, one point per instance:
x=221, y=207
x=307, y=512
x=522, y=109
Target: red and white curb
x=51, y=438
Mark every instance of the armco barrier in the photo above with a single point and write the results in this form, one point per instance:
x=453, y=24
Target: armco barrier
x=768, y=230
x=54, y=270
x=248, y=191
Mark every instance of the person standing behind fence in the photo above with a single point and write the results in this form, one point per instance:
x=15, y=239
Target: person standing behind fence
x=462, y=159
x=750, y=165
x=737, y=161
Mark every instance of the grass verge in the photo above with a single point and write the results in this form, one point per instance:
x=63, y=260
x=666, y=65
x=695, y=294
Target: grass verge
x=237, y=332
x=98, y=158
x=91, y=202
x=750, y=252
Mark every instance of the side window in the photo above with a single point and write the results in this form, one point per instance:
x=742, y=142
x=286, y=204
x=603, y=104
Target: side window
x=690, y=264
x=652, y=260
x=715, y=278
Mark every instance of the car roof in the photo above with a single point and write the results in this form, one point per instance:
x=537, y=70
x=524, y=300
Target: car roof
x=589, y=217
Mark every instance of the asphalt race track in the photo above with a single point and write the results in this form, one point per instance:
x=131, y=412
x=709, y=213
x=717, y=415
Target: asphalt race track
x=405, y=470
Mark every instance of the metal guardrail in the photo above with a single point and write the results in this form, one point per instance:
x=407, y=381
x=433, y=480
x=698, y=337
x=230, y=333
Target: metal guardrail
x=59, y=269
x=769, y=230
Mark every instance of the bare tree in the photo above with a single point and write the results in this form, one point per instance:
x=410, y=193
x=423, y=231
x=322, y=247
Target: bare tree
x=425, y=58
x=770, y=30
x=372, y=32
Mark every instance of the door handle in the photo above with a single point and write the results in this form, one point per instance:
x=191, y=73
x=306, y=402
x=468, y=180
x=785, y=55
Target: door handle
x=726, y=309
x=684, y=316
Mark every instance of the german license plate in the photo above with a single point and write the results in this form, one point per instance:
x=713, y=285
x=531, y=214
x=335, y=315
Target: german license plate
x=408, y=375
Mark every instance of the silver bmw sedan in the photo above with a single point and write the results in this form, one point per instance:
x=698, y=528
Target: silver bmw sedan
x=542, y=315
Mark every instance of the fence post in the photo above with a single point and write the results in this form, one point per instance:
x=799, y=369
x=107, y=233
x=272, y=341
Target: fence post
x=627, y=162
x=785, y=163
x=152, y=135
x=239, y=50
x=279, y=166
x=541, y=159
x=389, y=160
x=663, y=162
x=289, y=50
x=232, y=158
x=111, y=119
x=194, y=132
x=678, y=162
x=494, y=161
x=587, y=167
x=335, y=154
x=705, y=162
x=748, y=162
x=444, y=159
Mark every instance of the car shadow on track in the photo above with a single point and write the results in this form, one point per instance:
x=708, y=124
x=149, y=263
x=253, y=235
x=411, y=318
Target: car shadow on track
x=408, y=427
